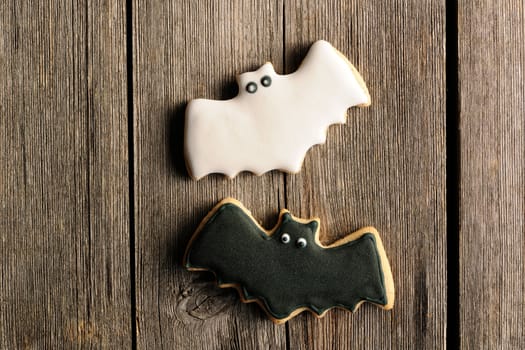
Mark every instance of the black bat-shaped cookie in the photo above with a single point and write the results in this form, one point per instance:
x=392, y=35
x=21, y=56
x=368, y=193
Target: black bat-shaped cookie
x=287, y=270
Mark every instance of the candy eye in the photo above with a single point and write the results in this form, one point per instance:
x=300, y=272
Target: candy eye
x=266, y=81
x=301, y=243
x=285, y=238
x=251, y=87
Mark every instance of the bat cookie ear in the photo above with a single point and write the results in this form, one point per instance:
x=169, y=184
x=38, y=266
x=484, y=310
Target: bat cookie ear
x=313, y=225
x=286, y=216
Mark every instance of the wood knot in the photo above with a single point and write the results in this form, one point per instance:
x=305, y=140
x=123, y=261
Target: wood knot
x=203, y=300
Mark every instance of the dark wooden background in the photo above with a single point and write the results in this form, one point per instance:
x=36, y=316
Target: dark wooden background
x=96, y=206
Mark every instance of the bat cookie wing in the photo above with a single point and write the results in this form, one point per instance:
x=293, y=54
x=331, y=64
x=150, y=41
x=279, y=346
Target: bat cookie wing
x=286, y=270
x=275, y=119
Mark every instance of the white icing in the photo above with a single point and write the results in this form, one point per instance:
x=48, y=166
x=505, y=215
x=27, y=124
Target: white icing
x=301, y=243
x=285, y=238
x=273, y=127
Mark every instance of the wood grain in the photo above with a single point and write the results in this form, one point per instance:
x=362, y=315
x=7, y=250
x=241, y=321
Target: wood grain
x=64, y=244
x=385, y=167
x=65, y=275
x=184, y=51
x=492, y=196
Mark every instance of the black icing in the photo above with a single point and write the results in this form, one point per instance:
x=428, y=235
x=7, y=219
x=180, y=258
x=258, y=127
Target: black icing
x=251, y=87
x=283, y=276
x=266, y=81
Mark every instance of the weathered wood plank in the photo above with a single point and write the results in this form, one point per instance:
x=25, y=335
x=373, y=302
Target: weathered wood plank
x=64, y=245
x=185, y=50
x=385, y=167
x=492, y=194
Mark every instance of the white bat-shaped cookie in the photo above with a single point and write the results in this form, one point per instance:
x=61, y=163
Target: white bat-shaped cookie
x=274, y=119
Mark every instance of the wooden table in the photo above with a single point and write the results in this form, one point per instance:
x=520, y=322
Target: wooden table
x=97, y=207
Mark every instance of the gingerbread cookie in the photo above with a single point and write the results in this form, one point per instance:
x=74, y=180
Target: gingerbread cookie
x=287, y=270
x=275, y=119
